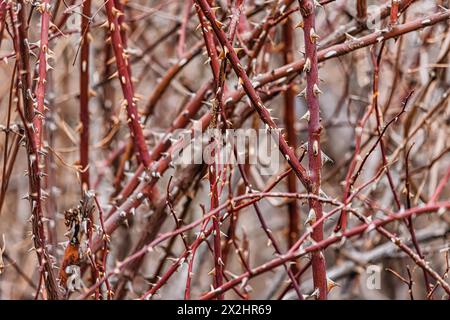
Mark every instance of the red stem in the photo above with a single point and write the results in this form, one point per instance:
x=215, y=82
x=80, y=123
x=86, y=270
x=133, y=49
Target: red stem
x=361, y=10
x=20, y=39
x=394, y=12
x=84, y=95
x=182, y=32
x=126, y=82
x=307, y=9
x=289, y=119
x=44, y=54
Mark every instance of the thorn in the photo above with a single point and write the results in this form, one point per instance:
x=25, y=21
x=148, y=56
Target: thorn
x=219, y=24
x=315, y=294
x=348, y=36
x=299, y=25
x=223, y=54
x=307, y=65
x=302, y=94
x=214, y=9
x=331, y=284
x=313, y=36
x=306, y=116
x=316, y=90
x=116, y=12
x=312, y=218
x=237, y=50
x=315, y=148
x=326, y=158
x=115, y=74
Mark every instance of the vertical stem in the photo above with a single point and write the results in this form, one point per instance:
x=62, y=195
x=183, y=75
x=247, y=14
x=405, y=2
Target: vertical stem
x=125, y=81
x=45, y=9
x=49, y=181
x=182, y=32
x=410, y=221
x=210, y=44
x=349, y=181
x=394, y=12
x=307, y=8
x=35, y=196
x=376, y=60
x=84, y=95
x=3, y=8
x=14, y=148
x=119, y=5
x=289, y=120
x=361, y=11
x=214, y=196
